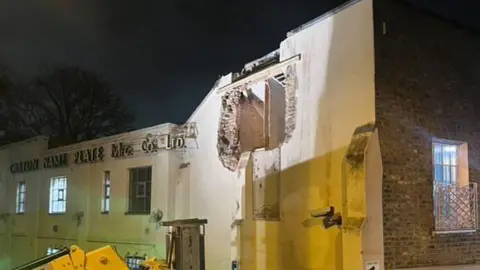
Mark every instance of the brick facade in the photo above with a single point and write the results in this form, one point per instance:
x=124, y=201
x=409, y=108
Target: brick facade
x=427, y=85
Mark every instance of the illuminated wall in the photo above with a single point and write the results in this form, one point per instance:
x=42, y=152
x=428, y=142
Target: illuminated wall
x=334, y=96
x=84, y=224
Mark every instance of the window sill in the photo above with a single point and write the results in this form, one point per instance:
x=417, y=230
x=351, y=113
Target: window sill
x=137, y=213
x=454, y=232
x=57, y=214
x=104, y=212
x=20, y=214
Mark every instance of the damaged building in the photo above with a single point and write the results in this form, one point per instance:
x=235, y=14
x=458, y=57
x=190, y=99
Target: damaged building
x=348, y=147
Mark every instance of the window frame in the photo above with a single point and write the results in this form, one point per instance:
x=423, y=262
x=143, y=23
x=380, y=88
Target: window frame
x=134, y=262
x=445, y=167
x=52, y=250
x=451, y=167
x=106, y=196
x=19, y=211
x=51, y=195
x=146, y=185
x=457, y=182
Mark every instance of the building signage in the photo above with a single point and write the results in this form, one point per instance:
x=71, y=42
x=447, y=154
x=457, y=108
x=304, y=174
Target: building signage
x=152, y=144
x=24, y=166
x=55, y=161
x=90, y=155
x=120, y=150
x=175, y=140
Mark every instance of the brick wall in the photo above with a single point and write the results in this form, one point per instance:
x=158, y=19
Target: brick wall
x=427, y=84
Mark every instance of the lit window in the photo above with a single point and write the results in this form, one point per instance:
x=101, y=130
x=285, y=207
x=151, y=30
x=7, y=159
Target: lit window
x=58, y=195
x=446, y=163
x=51, y=250
x=454, y=198
x=20, y=202
x=140, y=188
x=134, y=262
x=106, y=192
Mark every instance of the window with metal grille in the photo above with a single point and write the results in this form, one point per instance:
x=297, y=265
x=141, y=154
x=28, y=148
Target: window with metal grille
x=58, y=195
x=445, y=162
x=140, y=190
x=454, y=197
x=106, y=192
x=134, y=262
x=20, y=201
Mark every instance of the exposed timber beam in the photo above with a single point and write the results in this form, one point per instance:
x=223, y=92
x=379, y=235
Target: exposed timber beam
x=263, y=74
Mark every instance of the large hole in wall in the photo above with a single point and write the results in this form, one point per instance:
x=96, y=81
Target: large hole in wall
x=260, y=116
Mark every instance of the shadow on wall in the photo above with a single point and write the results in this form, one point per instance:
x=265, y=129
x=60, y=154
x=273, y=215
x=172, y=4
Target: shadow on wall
x=345, y=85
x=296, y=241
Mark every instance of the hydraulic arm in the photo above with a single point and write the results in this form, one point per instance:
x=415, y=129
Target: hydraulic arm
x=105, y=258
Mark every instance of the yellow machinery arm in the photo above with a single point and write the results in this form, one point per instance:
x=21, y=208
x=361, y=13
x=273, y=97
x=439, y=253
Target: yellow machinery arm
x=154, y=264
x=105, y=258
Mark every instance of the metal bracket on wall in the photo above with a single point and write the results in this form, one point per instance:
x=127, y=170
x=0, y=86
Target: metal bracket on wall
x=330, y=218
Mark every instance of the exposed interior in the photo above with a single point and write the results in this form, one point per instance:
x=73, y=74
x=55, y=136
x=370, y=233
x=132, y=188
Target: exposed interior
x=260, y=115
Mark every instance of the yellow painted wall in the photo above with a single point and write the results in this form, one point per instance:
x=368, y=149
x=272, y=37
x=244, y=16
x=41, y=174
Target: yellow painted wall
x=297, y=241
x=335, y=96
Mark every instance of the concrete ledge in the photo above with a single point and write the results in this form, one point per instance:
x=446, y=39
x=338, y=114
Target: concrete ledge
x=452, y=267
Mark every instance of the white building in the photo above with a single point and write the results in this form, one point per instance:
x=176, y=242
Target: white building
x=298, y=114
x=270, y=147
x=91, y=194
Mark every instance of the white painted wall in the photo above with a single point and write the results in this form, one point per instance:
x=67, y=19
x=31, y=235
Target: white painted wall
x=336, y=74
x=33, y=231
x=17, y=232
x=335, y=95
x=211, y=189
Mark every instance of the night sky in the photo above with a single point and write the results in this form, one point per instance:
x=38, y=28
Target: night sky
x=161, y=56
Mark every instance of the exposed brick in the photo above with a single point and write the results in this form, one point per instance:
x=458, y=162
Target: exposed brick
x=427, y=85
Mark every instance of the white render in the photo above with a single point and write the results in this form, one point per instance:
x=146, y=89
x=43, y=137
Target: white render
x=335, y=95
x=32, y=233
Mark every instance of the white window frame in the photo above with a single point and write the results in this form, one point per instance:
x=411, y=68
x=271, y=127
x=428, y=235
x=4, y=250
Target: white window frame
x=51, y=250
x=58, y=195
x=449, y=167
x=106, y=192
x=20, y=200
